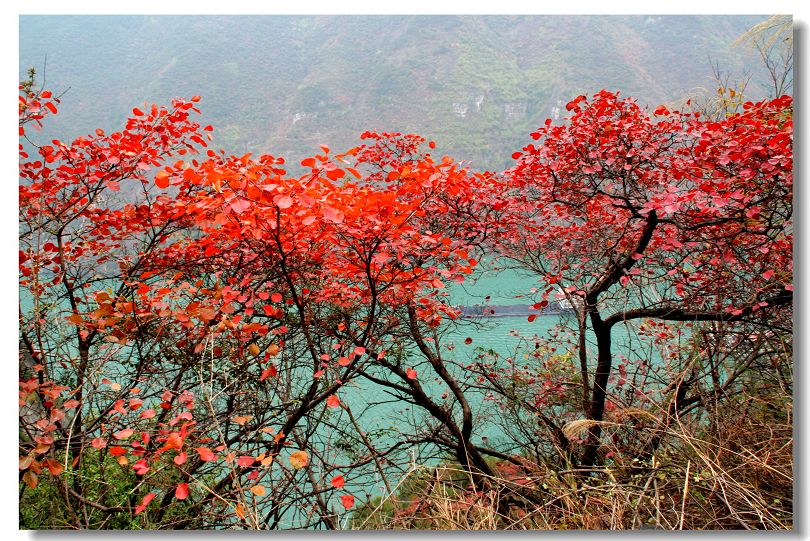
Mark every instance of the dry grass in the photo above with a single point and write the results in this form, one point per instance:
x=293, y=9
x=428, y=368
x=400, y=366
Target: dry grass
x=739, y=476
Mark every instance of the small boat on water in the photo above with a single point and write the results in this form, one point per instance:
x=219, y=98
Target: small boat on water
x=554, y=308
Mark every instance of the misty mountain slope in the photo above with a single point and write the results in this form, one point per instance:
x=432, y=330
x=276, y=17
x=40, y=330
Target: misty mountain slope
x=284, y=84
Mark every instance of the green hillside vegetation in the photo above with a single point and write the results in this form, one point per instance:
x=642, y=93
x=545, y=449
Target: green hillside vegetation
x=285, y=84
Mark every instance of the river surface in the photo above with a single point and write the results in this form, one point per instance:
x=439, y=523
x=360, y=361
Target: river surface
x=511, y=337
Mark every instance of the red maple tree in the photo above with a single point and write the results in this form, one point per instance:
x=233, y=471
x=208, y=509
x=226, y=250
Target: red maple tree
x=663, y=216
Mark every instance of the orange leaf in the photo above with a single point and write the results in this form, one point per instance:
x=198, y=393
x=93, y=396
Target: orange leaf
x=162, y=179
x=240, y=511
x=30, y=479
x=245, y=461
x=258, y=490
x=333, y=401
x=53, y=466
x=299, y=459
x=338, y=481
x=241, y=419
x=174, y=441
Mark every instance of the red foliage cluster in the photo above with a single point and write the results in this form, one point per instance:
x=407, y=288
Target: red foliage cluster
x=232, y=259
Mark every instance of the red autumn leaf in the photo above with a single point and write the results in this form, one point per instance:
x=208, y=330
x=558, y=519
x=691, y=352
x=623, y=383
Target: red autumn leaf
x=99, y=443
x=206, y=454
x=245, y=461
x=123, y=434
x=531, y=317
x=269, y=372
x=141, y=467
x=117, y=451
x=240, y=205
x=181, y=458
x=359, y=350
x=333, y=401
x=146, y=499
x=338, y=481
x=468, y=340
x=332, y=214
x=181, y=492
x=347, y=500
x=284, y=202
x=410, y=373
x=276, y=297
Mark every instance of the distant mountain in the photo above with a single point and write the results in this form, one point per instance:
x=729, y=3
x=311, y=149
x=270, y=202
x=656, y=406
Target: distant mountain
x=478, y=85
